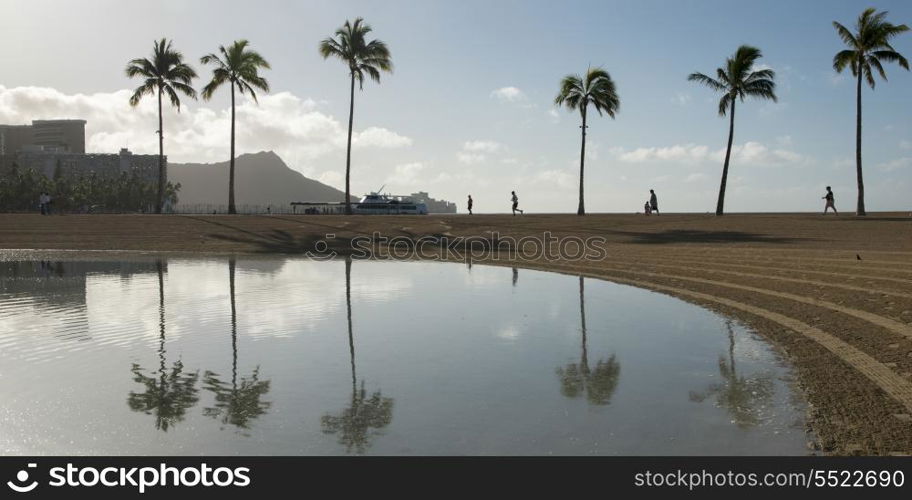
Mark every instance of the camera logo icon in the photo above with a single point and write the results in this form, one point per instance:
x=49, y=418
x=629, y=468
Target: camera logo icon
x=22, y=477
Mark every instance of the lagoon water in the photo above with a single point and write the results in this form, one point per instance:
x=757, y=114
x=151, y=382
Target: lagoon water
x=139, y=355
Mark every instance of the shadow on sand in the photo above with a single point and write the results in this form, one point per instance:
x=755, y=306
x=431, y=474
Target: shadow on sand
x=692, y=236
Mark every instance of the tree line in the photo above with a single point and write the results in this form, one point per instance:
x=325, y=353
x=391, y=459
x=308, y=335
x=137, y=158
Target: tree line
x=20, y=189
x=166, y=74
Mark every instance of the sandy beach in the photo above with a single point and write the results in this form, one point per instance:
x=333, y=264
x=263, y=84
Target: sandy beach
x=834, y=294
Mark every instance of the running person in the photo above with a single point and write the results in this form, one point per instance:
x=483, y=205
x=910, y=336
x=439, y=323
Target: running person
x=515, y=200
x=830, y=201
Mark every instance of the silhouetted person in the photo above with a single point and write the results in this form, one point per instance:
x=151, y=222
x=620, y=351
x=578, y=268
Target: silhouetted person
x=470, y=204
x=830, y=201
x=515, y=200
x=647, y=208
x=653, y=202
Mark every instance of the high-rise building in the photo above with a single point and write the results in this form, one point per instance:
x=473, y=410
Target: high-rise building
x=62, y=136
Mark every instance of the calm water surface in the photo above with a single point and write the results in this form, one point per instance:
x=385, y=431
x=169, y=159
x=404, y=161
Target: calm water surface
x=289, y=356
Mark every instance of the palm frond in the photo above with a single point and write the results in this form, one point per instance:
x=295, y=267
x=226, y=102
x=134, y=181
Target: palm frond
x=708, y=81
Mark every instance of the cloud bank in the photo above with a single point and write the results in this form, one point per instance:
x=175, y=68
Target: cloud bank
x=296, y=128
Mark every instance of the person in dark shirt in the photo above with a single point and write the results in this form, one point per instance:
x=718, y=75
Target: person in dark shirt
x=830, y=201
x=653, y=202
x=470, y=204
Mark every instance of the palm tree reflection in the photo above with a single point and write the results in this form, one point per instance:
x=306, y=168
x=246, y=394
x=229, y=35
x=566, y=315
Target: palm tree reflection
x=597, y=384
x=354, y=423
x=169, y=396
x=740, y=396
x=240, y=402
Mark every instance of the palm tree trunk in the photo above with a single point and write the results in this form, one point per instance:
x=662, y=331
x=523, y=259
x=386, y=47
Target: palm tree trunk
x=582, y=209
x=231, y=266
x=584, y=357
x=231, y=207
x=348, y=309
x=161, y=158
x=861, y=205
x=160, y=267
x=348, y=153
x=731, y=135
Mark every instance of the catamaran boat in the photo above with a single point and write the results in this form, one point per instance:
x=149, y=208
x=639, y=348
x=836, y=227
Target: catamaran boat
x=384, y=204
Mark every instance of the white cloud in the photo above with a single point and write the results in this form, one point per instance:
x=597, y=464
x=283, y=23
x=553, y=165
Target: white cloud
x=755, y=153
x=686, y=152
x=554, y=115
x=470, y=158
x=696, y=177
x=897, y=164
x=293, y=127
x=561, y=178
x=482, y=146
x=476, y=151
x=681, y=98
x=381, y=138
x=784, y=140
x=750, y=153
x=905, y=144
x=508, y=94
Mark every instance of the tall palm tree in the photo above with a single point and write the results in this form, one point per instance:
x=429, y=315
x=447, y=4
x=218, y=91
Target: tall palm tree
x=165, y=73
x=362, y=57
x=869, y=45
x=169, y=396
x=737, y=80
x=576, y=92
x=354, y=423
x=598, y=384
x=237, y=404
x=743, y=397
x=241, y=68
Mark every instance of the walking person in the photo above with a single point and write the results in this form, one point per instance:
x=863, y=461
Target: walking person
x=515, y=200
x=470, y=204
x=830, y=201
x=653, y=202
x=42, y=203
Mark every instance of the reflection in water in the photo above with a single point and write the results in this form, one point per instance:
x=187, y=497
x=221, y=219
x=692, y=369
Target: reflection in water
x=238, y=403
x=741, y=397
x=170, y=395
x=354, y=423
x=598, y=384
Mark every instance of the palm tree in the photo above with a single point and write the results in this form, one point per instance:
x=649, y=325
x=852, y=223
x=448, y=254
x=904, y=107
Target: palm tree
x=598, y=384
x=165, y=73
x=868, y=47
x=239, y=403
x=362, y=57
x=240, y=67
x=742, y=396
x=169, y=396
x=354, y=423
x=737, y=80
x=577, y=93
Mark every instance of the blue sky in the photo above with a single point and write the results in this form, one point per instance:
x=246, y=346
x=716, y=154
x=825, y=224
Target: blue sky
x=468, y=108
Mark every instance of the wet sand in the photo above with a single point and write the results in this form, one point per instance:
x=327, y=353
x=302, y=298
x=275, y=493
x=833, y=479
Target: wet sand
x=844, y=323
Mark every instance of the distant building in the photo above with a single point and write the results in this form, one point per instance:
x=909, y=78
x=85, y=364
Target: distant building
x=57, y=148
x=57, y=164
x=434, y=206
x=66, y=136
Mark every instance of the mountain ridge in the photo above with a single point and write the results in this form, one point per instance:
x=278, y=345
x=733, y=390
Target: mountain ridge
x=261, y=178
